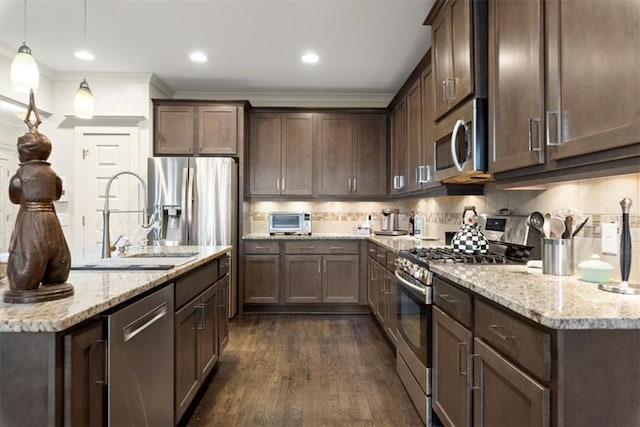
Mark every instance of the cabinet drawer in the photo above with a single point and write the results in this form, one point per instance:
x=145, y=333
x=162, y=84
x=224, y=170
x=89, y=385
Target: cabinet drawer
x=381, y=255
x=453, y=301
x=321, y=247
x=523, y=343
x=391, y=261
x=372, y=249
x=261, y=247
x=191, y=284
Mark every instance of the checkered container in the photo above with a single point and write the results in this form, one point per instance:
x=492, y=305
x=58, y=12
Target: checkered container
x=470, y=240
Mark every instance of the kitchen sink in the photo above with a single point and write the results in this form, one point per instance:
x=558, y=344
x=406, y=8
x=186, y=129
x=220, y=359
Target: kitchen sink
x=133, y=262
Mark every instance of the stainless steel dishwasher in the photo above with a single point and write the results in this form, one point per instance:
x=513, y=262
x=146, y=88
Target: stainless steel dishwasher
x=140, y=362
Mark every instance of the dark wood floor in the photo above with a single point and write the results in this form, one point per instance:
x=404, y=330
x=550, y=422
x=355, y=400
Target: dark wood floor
x=305, y=370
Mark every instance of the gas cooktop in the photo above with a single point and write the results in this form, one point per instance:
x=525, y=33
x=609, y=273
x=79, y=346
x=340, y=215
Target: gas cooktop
x=499, y=253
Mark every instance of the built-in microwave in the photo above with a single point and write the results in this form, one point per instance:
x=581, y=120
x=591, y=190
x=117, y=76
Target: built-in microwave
x=460, y=145
x=290, y=223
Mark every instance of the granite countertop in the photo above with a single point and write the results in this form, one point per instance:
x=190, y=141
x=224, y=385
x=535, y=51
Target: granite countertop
x=96, y=291
x=316, y=236
x=557, y=302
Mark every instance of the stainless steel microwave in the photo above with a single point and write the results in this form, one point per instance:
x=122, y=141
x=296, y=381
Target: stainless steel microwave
x=460, y=145
x=290, y=223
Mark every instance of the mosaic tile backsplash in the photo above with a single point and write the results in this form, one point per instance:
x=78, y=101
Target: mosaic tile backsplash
x=598, y=199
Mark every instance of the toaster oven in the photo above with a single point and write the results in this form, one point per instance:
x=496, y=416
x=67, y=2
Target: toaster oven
x=290, y=223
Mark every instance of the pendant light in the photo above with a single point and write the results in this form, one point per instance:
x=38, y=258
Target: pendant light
x=84, y=103
x=24, y=70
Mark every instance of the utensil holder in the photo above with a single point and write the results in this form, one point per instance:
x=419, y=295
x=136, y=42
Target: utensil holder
x=557, y=257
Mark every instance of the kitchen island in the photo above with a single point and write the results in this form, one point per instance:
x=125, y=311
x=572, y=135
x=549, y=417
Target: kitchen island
x=53, y=357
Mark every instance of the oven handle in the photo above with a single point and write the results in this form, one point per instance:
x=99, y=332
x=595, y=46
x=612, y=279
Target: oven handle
x=410, y=285
x=454, y=136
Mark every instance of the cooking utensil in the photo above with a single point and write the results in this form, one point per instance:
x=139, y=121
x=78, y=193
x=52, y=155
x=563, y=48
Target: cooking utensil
x=568, y=227
x=536, y=221
x=580, y=227
x=625, y=255
x=546, y=226
x=469, y=239
x=557, y=227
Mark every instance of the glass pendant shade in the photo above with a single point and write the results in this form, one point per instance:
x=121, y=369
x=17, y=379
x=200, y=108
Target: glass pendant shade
x=84, y=103
x=24, y=71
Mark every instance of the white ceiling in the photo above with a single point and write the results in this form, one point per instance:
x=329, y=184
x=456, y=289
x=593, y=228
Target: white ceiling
x=254, y=46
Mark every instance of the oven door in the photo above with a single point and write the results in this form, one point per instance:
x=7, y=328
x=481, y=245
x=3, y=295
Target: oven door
x=414, y=323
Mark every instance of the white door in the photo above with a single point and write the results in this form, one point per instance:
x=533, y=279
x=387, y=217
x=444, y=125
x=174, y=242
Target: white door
x=101, y=153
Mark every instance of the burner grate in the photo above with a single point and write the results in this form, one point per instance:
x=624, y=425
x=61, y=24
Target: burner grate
x=447, y=255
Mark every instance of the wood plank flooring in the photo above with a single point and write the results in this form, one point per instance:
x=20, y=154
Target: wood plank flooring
x=305, y=370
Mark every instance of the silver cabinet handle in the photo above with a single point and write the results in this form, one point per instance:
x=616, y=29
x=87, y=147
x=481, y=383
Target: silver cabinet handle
x=355, y=182
x=306, y=248
x=424, y=172
x=480, y=386
x=283, y=188
x=337, y=248
x=324, y=262
x=447, y=298
x=143, y=322
x=350, y=185
x=502, y=332
x=261, y=248
x=531, y=122
x=461, y=345
x=444, y=91
x=558, y=139
x=277, y=184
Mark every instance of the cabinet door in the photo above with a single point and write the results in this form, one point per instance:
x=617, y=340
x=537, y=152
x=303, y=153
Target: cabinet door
x=261, y=279
x=372, y=285
x=381, y=308
x=188, y=321
x=223, y=314
x=303, y=279
x=441, y=61
x=428, y=106
x=334, y=148
x=451, y=389
x=208, y=332
x=85, y=376
x=370, y=155
x=414, y=135
x=461, y=51
x=399, y=148
x=391, y=319
x=515, y=85
x=297, y=162
x=340, y=274
x=593, y=96
x=173, y=130
x=503, y=394
x=218, y=129
x=264, y=153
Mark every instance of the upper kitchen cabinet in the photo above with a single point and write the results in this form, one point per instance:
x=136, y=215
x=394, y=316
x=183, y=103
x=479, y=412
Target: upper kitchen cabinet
x=516, y=76
x=414, y=136
x=427, y=145
x=593, y=92
x=197, y=128
x=280, y=154
x=452, y=52
x=350, y=154
x=399, y=164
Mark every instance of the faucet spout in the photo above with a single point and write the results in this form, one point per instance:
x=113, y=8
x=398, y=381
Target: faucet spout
x=106, y=243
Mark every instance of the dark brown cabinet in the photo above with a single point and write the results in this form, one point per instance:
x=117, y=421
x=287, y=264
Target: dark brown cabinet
x=350, y=154
x=381, y=289
x=399, y=148
x=452, y=344
x=414, y=136
x=262, y=279
x=425, y=173
x=223, y=314
x=340, y=282
x=452, y=53
x=593, y=100
x=85, y=375
x=192, y=128
x=303, y=279
x=504, y=395
x=280, y=154
x=516, y=87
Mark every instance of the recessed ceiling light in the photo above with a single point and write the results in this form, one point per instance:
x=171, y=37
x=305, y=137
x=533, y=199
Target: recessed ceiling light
x=198, y=57
x=85, y=55
x=310, y=58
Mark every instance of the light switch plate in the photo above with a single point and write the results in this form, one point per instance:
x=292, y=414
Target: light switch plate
x=610, y=238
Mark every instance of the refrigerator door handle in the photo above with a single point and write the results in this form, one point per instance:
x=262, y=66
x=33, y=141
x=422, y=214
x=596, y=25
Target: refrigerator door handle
x=183, y=216
x=189, y=205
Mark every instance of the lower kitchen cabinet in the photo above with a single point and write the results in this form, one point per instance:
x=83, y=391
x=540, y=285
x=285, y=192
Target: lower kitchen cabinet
x=451, y=380
x=262, y=279
x=85, y=375
x=503, y=394
x=381, y=288
x=303, y=279
x=223, y=314
x=340, y=282
x=321, y=279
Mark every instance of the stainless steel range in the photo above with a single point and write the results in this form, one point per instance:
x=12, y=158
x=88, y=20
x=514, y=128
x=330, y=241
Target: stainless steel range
x=414, y=293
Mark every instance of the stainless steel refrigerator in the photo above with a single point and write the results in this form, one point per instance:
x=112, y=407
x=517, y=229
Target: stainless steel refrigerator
x=195, y=199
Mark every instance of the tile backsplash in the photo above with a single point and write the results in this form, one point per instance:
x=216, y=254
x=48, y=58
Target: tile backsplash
x=599, y=199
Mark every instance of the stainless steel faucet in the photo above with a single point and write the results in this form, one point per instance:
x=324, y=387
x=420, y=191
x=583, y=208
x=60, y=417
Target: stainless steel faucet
x=106, y=243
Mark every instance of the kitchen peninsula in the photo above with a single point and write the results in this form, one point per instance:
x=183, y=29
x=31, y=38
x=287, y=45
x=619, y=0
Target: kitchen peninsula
x=53, y=357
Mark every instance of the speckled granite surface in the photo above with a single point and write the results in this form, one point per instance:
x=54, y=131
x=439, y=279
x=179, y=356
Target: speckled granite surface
x=320, y=236
x=557, y=302
x=96, y=292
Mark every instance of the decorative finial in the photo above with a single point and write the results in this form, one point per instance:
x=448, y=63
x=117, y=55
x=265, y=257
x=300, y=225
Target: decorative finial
x=33, y=127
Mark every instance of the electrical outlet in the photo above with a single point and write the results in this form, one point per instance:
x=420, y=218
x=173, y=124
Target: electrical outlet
x=610, y=238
